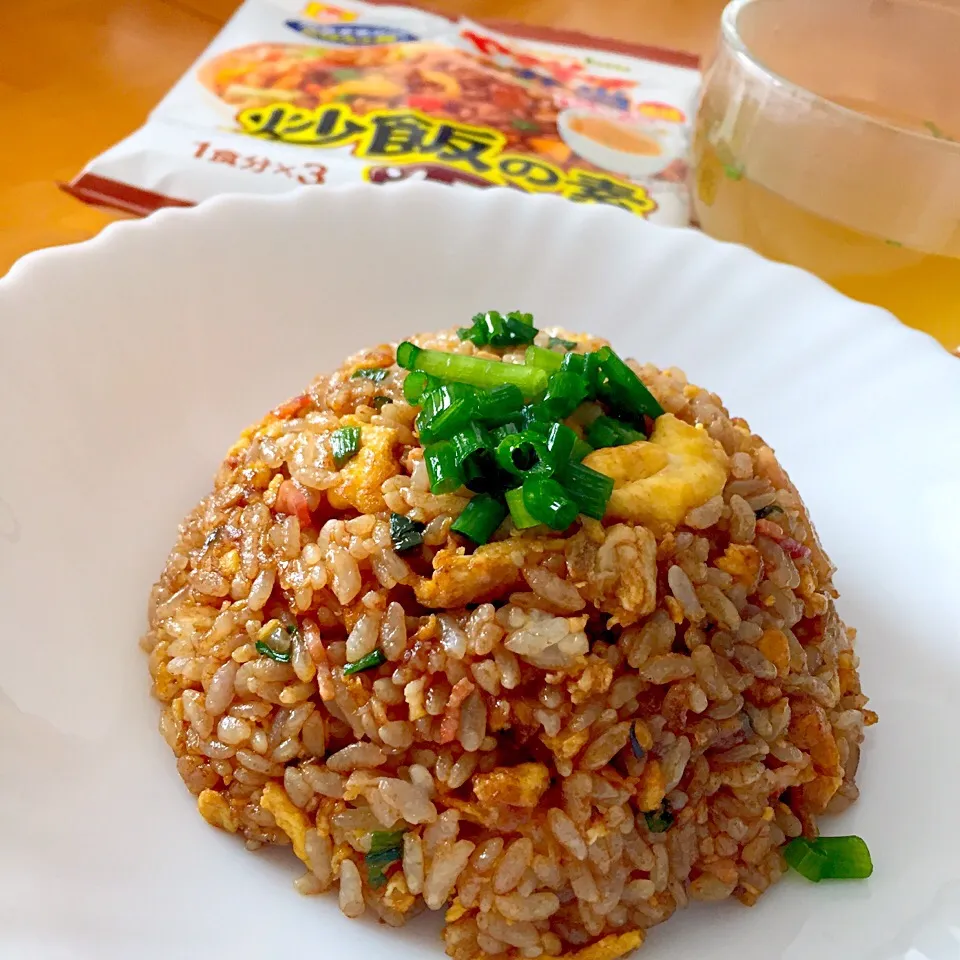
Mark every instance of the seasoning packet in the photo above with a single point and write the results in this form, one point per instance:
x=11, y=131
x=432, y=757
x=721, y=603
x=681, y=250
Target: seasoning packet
x=292, y=93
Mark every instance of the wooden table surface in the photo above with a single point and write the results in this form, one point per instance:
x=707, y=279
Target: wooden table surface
x=78, y=75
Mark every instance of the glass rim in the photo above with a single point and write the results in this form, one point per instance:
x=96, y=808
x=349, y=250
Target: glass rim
x=730, y=34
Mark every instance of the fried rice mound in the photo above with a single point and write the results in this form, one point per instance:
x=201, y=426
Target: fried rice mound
x=571, y=735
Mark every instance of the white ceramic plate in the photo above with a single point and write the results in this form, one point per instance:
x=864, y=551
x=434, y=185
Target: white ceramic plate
x=128, y=364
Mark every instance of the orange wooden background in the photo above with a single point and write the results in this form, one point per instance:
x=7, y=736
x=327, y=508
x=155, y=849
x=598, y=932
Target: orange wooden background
x=78, y=75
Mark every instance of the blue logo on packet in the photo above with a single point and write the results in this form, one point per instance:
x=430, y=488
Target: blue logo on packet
x=351, y=34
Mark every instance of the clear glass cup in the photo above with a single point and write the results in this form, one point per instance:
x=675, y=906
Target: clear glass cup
x=828, y=136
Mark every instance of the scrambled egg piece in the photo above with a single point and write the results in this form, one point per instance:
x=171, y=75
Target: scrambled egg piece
x=658, y=481
x=776, y=648
x=290, y=819
x=492, y=569
x=596, y=678
x=743, y=562
x=216, y=811
x=397, y=896
x=455, y=911
x=566, y=747
x=615, y=569
x=519, y=786
x=610, y=947
x=650, y=789
x=363, y=475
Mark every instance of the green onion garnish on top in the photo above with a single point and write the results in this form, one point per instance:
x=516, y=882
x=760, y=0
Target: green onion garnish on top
x=480, y=518
x=493, y=329
x=474, y=451
x=523, y=453
x=499, y=405
x=547, y=502
x=608, y=432
x=416, y=384
x=376, y=374
x=344, y=443
x=547, y=360
x=446, y=410
x=588, y=488
x=624, y=388
x=443, y=468
x=575, y=363
x=519, y=514
x=565, y=392
x=580, y=449
x=472, y=370
x=368, y=662
x=829, y=858
x=497, y=428
x=405, y=533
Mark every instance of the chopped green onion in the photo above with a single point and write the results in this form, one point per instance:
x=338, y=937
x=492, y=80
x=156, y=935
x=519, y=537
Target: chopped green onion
x=442, y=467
x=500, y=405
x=541, y=357
x=594, y=376
x=473, y=370
x=475, y=459
x=565, y=391
x=804, y=859
x=561, y=441
x=377, y=862
x=268, y=651
x=445, y=411
x=445, y=395
x=496, y=330
x=376, y=374
x=292, y=629
x=405, y=533
x=658, y=821
x=407, y=354
x=575, y=363
x=829, y=858
x=471, y=445
x=378, y=402
x=385, y=848
x=560, y=342
x=368, y=662
x=626, y=390
x=607, y=432
x=344, y=442
x=589, y=489
x=507, y=430
x=534, y=414
x=522, y=454
x=480, y=518
x=548, y=502
x=416, y=384
x=580, y=449
x=522, y=519
x=381, y=840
